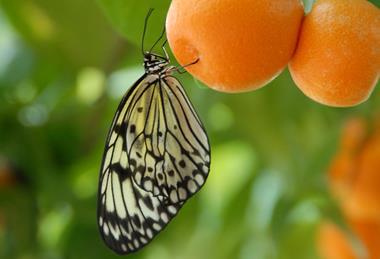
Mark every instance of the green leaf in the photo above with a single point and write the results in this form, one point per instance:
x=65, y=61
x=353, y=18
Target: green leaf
x=128, y=17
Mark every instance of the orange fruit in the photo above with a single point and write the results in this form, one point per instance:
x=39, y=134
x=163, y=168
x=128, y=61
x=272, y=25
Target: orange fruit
x=343, y=168
x=369, y=234
x=354, y=134
x=355, y=181
x=337, y=60
x=332, y=243
x=342, y=174
x=241, y=45
x=353, y=174
x=364, y=199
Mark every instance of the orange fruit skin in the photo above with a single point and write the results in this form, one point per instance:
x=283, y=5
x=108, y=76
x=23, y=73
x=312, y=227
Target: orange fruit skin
x=332, y=243
x=337, y=60
x=241, y=45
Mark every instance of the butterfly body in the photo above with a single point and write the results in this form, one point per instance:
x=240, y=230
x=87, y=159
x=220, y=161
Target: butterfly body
x=157, y=156
x=156, y=64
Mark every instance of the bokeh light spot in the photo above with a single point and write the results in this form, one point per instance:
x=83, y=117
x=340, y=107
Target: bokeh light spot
x=120, y=81
x=33, y=115
x=53, y=224
x=90, y=85
x=220, y=117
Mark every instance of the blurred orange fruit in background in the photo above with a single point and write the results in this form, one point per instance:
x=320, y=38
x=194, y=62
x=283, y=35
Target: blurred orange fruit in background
x=241, y=45
x=337, y=60
x=354, y=172
x=332, y=243
x=369, y=234
x=343, y=168
x=355, y=181
x=364, y=199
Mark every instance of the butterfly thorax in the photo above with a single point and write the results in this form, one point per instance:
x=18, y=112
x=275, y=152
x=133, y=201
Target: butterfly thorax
x=155, y=64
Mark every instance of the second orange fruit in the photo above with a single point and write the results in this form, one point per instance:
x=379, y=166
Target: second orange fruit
x=337, y=61
x=241, y=45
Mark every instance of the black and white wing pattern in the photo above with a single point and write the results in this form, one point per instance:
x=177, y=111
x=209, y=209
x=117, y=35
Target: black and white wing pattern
x=156, y=157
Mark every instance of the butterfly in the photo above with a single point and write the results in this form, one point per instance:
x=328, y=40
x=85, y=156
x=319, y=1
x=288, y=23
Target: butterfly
x=157, y=155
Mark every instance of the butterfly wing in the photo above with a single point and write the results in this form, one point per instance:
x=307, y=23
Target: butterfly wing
x=157, y=155
x=170, y=151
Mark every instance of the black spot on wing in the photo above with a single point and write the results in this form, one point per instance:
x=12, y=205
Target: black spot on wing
x=182, y=164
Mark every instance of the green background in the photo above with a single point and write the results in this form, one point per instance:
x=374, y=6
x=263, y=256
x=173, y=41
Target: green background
x=64, y=66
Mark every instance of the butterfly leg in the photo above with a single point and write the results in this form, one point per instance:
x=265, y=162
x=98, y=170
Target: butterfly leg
x=180, y=69
x=164, y=49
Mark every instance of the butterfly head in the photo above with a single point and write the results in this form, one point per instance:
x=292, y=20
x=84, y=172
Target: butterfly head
x=154, y=63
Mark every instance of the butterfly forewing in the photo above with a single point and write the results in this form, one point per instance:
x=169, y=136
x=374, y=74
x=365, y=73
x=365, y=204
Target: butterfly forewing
x=157, y=156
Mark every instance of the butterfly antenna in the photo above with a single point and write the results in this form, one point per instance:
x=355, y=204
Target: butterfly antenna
x=145, y=27
x=158, y=40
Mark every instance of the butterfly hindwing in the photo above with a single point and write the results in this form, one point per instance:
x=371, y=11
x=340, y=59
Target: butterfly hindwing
x=157, y=155
x=186, y=142
x=170, y=151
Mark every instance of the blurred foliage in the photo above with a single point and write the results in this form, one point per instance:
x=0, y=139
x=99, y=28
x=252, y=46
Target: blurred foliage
x=64, y=66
